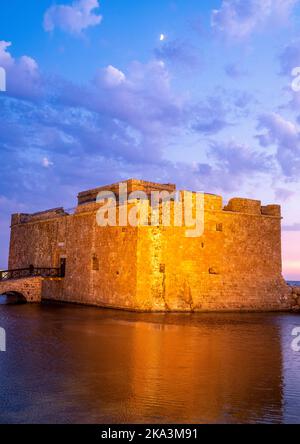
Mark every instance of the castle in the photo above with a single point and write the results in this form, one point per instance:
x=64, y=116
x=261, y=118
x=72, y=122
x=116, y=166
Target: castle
x=234, y=265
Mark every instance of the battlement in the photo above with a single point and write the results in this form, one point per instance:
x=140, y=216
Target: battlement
x=23, y=218
x=132, y=185
x=213, y=202
x=87, y=202
x=271, y=210
x=252, y=207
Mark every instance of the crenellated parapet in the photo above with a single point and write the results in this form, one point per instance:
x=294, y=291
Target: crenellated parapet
x=271, y=210
x=252, y=207
x=131, y=186
x=22, y=218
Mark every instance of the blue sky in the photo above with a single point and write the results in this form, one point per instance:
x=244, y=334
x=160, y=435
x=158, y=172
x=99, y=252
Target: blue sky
x=95, y=95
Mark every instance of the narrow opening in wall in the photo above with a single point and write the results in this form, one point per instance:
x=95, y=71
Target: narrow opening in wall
x=62, y=266
x=162, y=268
x=219, y=227
x=95, y=263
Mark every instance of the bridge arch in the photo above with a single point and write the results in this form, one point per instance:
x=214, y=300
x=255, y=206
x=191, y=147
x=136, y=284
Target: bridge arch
x=13, y=297
x=29, y=288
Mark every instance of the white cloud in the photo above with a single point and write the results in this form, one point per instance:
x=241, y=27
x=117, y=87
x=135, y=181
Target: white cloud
x=28, y=64
x=25, y=63
x=22, y=75
x=113, y=76
x=240, y=18
x=6, y=59
x=73, y=18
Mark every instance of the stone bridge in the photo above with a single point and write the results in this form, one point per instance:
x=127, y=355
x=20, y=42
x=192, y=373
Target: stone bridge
x=29, y=289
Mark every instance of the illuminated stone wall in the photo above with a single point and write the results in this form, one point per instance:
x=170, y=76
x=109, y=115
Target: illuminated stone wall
x=234, y=265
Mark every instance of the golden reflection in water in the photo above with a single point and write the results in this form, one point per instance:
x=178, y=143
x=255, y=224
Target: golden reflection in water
x=202, y=374
x=99, y=366
x=186, y=369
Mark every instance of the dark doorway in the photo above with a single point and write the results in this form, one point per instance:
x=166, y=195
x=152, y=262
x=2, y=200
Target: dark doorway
x=63, y=264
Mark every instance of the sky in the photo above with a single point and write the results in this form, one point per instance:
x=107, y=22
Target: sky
x=198, y=93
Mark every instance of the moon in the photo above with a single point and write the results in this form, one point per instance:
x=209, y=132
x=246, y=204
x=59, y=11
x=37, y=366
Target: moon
x=162, y=37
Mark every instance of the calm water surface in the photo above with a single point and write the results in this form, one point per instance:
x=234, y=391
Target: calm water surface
x=68, y=364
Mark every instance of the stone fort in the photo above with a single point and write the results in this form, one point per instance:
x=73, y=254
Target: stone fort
x=235, y=265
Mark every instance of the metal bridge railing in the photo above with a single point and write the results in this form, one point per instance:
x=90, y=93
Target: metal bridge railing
x=31, y=271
